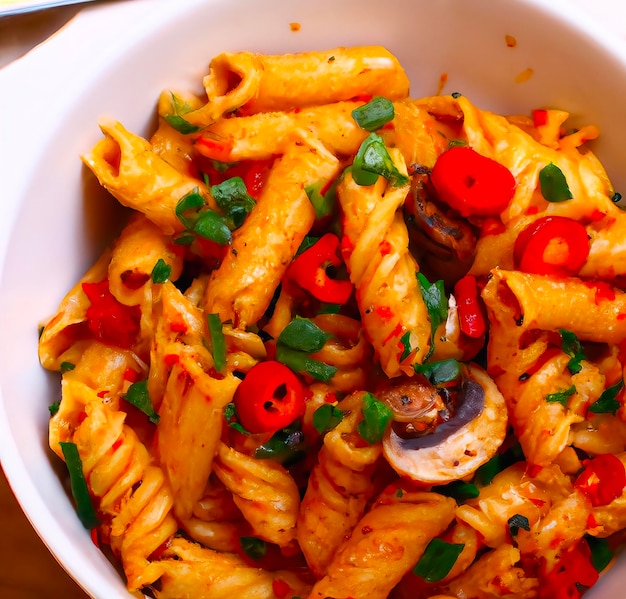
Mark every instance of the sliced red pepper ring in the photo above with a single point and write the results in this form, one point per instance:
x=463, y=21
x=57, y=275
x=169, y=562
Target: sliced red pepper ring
x=573, y=570
x=471, y=317
x=603, y=479
x=310, y=271
x=269, y=398
x=552, y=245
x=472, y=184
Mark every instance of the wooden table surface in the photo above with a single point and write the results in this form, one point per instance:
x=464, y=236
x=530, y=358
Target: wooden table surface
x=27, y=569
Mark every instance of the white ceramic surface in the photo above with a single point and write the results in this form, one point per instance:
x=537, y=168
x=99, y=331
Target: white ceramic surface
x=53, y=222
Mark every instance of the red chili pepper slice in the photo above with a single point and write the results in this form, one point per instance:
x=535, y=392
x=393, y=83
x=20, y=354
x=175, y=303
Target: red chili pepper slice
x=310, y=270
x=471, y=183
x=603, y=479
x=471, y=317
x=109, y=320
x=552, y=245
x=269, y=398
x=217, y=149
x=574, y=569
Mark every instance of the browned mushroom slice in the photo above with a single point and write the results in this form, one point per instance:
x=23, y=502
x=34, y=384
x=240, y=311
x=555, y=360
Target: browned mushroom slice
x=440, y=243
x=460, y=445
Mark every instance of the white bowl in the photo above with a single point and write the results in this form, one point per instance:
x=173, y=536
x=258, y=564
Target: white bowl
x=116, y=59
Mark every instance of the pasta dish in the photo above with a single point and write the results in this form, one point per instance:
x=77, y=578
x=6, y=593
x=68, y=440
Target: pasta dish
x=349, y=344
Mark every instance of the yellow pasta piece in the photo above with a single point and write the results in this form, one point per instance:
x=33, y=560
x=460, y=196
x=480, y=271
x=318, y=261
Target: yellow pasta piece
x=265, y=83
x=386, y=543
x=383, y=271
x=190, y=427
x=137, y=177
x=190, y=570
x=264, y=491
x=338, y=489
x=135, y=254
x=241, y=289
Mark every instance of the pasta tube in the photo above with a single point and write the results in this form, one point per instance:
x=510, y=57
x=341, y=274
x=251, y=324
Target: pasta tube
x=266, y=83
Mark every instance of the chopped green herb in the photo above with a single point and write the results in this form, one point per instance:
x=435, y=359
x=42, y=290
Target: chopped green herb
x=176, y=119
x=616, y=197
x=54, y=408
x=302, y=362
x=233, y=200
x=453, y=143
x=323, y=203
x=307, y=242
x=607, y=403
x=373, y=160
x=67, y=366
x=516, y=522
x=456, y=95
x=601, y=552
x=553, y=184
x=329, y=309
x=326, y=418
x=80, y=491
x=570, y=345
x=399, y=493
x=304, y=335
x=373, y=115
x=405, y=340
x=188, y=207
x=442, y=371
x=212, y=225
x=218, y=342
x=138, y=396
x=230, y=415
x=376, y=417
x=437, y=560
x=254, y=547
x=561, y=396
x=161, y=272
x=436, y=304
x=286, y=446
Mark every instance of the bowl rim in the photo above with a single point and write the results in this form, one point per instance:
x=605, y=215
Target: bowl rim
x=92, y=26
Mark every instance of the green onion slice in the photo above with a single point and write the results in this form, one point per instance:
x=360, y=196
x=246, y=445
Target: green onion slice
x=233, y=200
x=176, y=120
x=218, y=341
x=286, y=446
x=561, y=396
x=161, y=272
x=302, y=362
x=188, y=207
x=373, y=160
x=254, y=547
x=137, y=395
x=553, y=184
x=304, y=335
x=607, y=403
x=437, y=560
x=80, y=491
x=212, y=225
x=373, y=115
x=516, y=522
x=326, y=418
x=376, y=417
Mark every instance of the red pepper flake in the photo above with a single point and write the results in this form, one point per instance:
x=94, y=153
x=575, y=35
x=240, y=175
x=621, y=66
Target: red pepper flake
x=533, y=470
x=171, y=359
x=621, y=316
x=443, y=80
x=537, y=502
x=573, y=570
x=109, y=320
x=216, y=149
x=510, y=41
x=280, y=588
x=384, y=312
x=596, y=215
x=81, y=416
x=117, y=444
x=178, y=327
x=93, y=533
x=603, y=290
x=591, y=522
x=131, y=375
x=540, y=117
x=532, y=210
x=134, y=280
x=603, y=479
x=365, y=98
x=492, y=226
x=330, y=398
x=346, y=247
x=102, y=394
x=384, y=247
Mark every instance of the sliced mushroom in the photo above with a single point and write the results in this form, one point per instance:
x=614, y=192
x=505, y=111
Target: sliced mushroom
x=460, y=445
x=412, y=399
x=440, y=243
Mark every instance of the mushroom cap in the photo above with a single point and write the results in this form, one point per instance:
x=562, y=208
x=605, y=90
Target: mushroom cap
x=455, y=451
